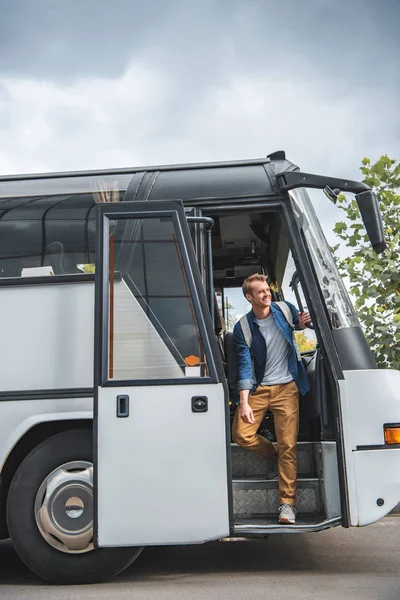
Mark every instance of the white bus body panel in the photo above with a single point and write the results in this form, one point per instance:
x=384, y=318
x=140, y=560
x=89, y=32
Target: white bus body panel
x=47, y=337
x=162, y=472
x=369, y=400
x=46, y=344
x=18, y=417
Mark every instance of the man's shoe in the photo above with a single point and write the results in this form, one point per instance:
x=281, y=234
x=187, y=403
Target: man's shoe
x=265, y=432
x=272, y=468
x=287, y=514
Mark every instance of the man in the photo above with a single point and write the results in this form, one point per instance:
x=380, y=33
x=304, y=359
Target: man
x=279, y=377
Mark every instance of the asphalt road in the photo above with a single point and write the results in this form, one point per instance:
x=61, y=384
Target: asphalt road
x=332, y=565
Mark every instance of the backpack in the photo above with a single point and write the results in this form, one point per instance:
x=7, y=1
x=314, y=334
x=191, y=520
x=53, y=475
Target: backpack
x=287, y=313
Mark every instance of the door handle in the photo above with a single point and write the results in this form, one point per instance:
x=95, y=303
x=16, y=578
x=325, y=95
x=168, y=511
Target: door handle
x=122, y=406
x=199, y=404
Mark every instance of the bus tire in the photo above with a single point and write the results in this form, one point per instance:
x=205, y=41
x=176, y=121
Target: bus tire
x=32, y=532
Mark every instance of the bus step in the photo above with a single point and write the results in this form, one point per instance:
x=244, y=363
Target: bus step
x=254, y=497
x=264, y=526
x=249, y=464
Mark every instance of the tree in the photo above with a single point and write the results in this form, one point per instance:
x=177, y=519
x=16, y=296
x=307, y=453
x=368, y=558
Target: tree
x=375, y=279
x=230, y=317
x=88, y=268
x=305, y=343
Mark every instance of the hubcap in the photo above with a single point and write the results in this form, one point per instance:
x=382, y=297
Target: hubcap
x=64, y=507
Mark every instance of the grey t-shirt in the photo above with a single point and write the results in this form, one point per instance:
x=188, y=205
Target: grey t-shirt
x=276, y=368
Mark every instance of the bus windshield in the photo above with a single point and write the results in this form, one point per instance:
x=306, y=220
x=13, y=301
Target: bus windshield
x=336, y=297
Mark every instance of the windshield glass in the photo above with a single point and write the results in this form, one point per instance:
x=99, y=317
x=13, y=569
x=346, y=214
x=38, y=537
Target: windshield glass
x=337, y=300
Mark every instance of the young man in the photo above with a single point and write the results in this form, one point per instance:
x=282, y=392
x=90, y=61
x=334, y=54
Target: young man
x=279, y=377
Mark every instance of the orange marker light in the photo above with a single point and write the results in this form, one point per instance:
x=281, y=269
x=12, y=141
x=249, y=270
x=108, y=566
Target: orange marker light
x=192, y=361
x=392, y=435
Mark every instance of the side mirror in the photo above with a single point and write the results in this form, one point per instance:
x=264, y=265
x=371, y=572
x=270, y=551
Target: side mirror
x=371, y=216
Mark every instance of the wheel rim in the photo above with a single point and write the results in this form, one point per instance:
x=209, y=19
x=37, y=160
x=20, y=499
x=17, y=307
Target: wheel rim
x=64, y=507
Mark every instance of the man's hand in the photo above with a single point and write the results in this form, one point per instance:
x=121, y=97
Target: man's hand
x=246, y=413
x=304, y=320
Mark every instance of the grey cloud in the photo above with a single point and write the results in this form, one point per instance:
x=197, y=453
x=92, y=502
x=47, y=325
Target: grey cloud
x=336, y=51
x=5, y=115
x=355, y=42
x=5, y=110
x=63, y=119
x=200, y=45
x=4, y=94
x=64, y=40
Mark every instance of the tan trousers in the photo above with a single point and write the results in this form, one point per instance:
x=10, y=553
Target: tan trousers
x=283, y=401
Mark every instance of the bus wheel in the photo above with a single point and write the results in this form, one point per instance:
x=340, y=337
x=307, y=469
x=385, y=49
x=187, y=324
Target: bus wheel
x=50, y=514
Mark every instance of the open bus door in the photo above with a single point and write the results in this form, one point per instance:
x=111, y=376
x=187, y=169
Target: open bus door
x=367, y=406
x=161, y=474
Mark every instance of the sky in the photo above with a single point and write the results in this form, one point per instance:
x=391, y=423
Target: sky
x=87, y=84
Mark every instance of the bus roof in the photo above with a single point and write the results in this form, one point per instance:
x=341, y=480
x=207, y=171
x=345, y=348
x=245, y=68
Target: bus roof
x=190, y=181
x=278, y=156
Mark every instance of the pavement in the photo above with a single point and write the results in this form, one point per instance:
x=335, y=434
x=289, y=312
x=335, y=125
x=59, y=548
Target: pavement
x=396, y=511
x=338, y=564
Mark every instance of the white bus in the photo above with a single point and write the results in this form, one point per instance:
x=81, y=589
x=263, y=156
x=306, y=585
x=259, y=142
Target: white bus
x=117, y=373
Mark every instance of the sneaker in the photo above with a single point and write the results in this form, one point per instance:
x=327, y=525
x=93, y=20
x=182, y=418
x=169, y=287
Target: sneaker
x=287, y=514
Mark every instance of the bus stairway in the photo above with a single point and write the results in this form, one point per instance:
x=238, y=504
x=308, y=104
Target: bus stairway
x=255, y=498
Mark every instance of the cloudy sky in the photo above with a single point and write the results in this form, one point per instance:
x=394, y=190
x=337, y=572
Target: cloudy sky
x=99, y=83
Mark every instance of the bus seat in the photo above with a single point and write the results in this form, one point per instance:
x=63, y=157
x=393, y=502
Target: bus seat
x=219, y=322
x=230, y=357
x=62, y=263
x=54, y=257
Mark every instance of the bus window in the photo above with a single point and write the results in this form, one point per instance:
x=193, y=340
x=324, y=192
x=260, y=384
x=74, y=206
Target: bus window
x=232, y=305
x=56, y=231
x=293, y=292
x=336, y=297
x=153, y=329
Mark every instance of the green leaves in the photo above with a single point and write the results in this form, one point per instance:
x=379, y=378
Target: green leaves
x=375, y=280
x=340, y=227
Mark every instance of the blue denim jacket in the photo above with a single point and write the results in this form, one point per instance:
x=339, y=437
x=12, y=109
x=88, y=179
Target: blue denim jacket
x=259, y=352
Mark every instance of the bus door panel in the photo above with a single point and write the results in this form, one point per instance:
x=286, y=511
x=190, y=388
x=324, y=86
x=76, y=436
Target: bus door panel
x=370, y=408
x=160, y=408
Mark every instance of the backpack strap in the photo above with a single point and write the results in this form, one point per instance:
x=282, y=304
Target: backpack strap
x=246, y=330
x=287, y=313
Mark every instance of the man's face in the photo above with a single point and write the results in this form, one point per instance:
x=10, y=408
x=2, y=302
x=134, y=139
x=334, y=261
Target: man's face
x=260, y=295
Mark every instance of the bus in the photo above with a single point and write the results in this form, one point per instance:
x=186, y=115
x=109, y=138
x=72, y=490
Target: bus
x=118, y=373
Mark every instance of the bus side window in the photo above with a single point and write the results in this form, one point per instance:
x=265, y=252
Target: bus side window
x=50, y=235
x=12, y=267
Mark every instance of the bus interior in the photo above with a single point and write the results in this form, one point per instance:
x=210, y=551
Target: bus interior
x=243, y=243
